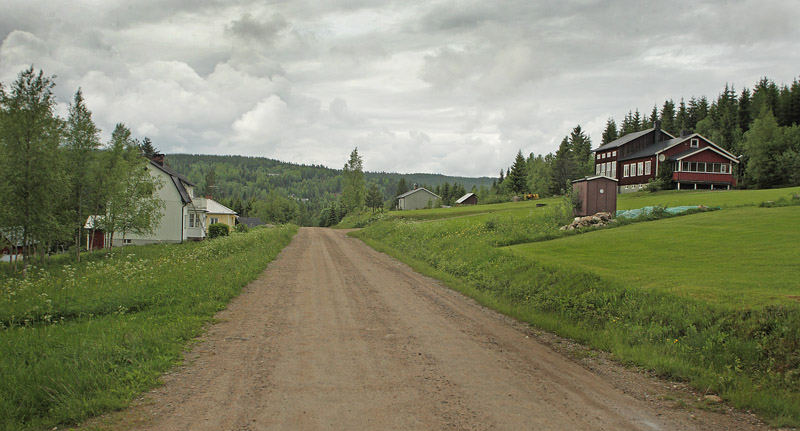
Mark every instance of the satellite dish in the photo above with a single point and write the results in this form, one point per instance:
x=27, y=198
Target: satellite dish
x=662, y=157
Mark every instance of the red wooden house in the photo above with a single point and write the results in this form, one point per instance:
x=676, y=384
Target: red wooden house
x=636, y=158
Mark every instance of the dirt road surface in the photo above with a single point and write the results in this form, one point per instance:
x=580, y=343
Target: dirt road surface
x=336, y=336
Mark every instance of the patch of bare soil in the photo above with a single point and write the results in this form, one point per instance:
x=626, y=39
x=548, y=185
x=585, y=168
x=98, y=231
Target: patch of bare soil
x=335, y=335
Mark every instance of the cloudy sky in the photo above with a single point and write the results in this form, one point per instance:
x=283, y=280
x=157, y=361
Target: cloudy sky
x=453, y=87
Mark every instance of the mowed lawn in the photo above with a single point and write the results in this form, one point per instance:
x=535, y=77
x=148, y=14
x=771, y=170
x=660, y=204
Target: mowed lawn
x=717, y=198
x=738, y=257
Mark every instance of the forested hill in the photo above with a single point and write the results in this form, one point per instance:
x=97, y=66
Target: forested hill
x=254, y=178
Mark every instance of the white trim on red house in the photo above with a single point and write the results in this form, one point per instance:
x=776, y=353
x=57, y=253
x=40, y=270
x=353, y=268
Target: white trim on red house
x=700, y=150
x=697, y=135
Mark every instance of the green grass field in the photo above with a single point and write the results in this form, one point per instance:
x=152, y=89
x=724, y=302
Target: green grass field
x=740, y=257
x=704, y=298
x=78, y=340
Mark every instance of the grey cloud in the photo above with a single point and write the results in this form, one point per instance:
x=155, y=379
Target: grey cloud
x=264, y=31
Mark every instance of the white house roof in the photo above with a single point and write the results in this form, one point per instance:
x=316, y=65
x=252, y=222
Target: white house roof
x=417, y=190
x=215, y=207
x=465, y=197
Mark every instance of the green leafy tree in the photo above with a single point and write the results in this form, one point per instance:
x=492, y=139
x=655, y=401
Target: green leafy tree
x=32, y=173
x=353, y=183
x=771, y=151
x=518, y=177
x=564, y=168
x=82, y=143
x=131, y=201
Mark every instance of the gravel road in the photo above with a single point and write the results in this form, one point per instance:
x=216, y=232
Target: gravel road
x=336, y=336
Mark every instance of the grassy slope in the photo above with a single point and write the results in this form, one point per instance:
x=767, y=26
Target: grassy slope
x=749, y=355
x=739, y=257
x=79, y=340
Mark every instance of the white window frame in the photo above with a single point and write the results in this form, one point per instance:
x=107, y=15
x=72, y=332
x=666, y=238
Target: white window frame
x=640, y=168
x=597, y=168
x=599, y=156
x=613, y=169
x=694, y=143
x=213, y=220
x=647, y=167
x=613, y=154
x=625, y=171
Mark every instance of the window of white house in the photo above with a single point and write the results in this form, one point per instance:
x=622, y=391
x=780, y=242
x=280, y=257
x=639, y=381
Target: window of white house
x=647, y=167
x=694, y=143
x=625, y=172
x=213, y=220
x=640, y=167
x=191, y=220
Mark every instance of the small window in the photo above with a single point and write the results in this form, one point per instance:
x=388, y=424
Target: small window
x=647, y=167
x=613, y=169
x=625, y=172
x=724, y=168
x=597, y=168
x=613, y=154
x=640, y=167
x=599, y=156
x=126, y=241
x=191, y=220
x=694, y=143
x=684, y=166
x=692, y=166
x=214, y=220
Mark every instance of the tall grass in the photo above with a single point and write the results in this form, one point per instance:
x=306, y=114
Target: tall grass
x=79, y=340
x=748, y=354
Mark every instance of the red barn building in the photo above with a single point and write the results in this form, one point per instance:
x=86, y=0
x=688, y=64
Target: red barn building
x=636, y=158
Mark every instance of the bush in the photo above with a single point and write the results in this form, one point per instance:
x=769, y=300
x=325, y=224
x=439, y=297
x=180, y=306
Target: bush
x=218, y=229
x=241, y=228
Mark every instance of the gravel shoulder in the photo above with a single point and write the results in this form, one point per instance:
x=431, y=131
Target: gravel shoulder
x=335, y=335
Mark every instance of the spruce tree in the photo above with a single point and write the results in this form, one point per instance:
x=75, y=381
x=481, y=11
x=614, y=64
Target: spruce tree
x=610, y=133
x=518, y=177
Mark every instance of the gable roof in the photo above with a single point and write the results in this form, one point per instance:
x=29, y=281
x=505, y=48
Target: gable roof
x=178, y=181
x=628, y=138
x=465, y=197
x=595, y=177
x=411, y=192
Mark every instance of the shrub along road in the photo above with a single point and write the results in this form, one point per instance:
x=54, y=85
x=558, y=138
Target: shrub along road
x=335, y=335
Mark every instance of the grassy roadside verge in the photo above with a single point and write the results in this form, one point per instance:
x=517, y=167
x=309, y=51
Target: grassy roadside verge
x=80, y=340
x=748, y=354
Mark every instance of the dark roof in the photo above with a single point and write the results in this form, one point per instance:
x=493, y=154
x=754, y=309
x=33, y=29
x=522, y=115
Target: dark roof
x=652, y=149
x=178, y=180
x=697, y=150
x=172, y=172
x=417, y=190
x=250, y=221
x=627, y=138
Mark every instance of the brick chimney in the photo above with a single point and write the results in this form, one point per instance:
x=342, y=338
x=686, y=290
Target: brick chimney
x=158, y=159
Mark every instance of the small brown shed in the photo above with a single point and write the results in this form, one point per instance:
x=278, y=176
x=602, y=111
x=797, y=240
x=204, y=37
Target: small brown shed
x=468, y=199
x=596, y=194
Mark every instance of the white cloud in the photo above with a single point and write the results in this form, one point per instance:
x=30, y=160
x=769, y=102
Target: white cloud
x=450, y=87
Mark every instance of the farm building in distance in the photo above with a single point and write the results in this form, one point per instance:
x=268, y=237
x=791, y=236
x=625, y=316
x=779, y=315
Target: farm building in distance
x=468, y=199
x=636, y=158
x=416, y=199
